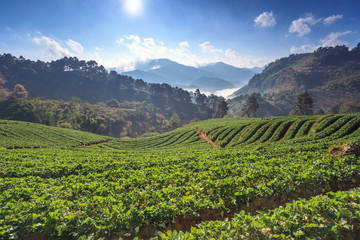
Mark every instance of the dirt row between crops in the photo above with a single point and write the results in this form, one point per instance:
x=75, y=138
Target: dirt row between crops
x=184, y=223
x=99, y=142
x=206, y=138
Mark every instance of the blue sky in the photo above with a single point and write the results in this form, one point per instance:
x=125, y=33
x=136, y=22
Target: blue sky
x=120, y=33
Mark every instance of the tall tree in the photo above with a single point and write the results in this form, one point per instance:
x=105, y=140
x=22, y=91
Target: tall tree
x=200, y=99
x=20, y=89
x=174, y=122
x=212, y=101
x=303, y=105
x=221, y=108
x=250, y=107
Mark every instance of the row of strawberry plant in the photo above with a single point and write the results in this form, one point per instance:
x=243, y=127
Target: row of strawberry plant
x=294, y=128
x=280, y=132
x=270, y=131
x=331, y=216
x=250, y=131
x=326, y=121
x=259, y=133
x=331, y=128
x=305, y=128
x=233, y=136
x=154, y=188
x=24, y=134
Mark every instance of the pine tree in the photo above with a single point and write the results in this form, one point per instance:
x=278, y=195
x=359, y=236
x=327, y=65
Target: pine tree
x=221, y=108
x=303, y=105
x=250, y=107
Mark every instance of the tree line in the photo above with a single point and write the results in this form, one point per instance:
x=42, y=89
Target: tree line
x=303, y=105
x=70, y=77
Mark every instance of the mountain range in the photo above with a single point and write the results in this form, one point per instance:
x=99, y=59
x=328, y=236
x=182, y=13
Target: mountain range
x=331, y=75
x=211, y=77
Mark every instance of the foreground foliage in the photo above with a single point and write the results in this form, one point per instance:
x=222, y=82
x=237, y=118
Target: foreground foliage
x=166, y=185
x=331, y=216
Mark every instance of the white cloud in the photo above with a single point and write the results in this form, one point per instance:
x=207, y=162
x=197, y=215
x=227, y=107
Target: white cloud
x=266, y=19
x=125, y=65
x=120, y=41
x=330, y=20
x=143, y=49
x=231, y=53
x=206, y=47
x=75, y=46
x=226, y=92
x=156, y=67
x=53, y=48
x=184, y=44
x=330, y=40
x=301, y=26
x=304, y=48
x=230, y=56
x=207, y=93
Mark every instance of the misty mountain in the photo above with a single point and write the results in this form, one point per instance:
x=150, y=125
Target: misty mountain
x=149, y=76
x=237, y=76
x=257, y=69
x=212, y=77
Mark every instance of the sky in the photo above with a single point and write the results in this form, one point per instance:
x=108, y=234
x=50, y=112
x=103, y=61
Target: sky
x=120, y=33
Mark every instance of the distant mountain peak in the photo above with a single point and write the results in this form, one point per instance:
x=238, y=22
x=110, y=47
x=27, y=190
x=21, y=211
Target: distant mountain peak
x=212, y=77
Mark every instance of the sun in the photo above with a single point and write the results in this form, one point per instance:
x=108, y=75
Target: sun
x=133, y=7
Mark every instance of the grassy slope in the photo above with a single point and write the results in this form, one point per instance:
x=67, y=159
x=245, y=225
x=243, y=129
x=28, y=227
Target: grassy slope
x=174, y=181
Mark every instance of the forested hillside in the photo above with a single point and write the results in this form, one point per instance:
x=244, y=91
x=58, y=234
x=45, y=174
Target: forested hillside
x=111, y=118
x=331, y=75
x=69, y=77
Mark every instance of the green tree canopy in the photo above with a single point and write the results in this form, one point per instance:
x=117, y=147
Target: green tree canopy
x=221, y=108
x=20, y=89
x=349, y=107
x=303, y=105
x=113, y=103
x=250, y=107
x=174, y=122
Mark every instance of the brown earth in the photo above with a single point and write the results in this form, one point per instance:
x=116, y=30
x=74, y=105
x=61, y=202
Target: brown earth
x=345, y=150
x=206, y=138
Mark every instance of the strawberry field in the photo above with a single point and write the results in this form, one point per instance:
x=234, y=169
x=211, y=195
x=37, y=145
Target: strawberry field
x=269, y=179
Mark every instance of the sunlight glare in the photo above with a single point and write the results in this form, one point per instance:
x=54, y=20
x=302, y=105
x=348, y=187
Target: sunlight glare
x=133, y=7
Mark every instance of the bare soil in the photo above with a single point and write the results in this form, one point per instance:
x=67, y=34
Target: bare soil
x=206, y=138
x=345, y=150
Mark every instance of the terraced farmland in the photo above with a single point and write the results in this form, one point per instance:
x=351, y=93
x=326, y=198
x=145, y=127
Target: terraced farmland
x=16, y=134
x=271, y=178
x=300, y=129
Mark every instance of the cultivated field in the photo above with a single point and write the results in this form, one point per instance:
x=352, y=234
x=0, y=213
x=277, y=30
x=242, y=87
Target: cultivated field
x=265, y=179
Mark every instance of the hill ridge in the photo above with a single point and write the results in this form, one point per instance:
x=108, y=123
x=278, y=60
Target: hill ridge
x=331, y=75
